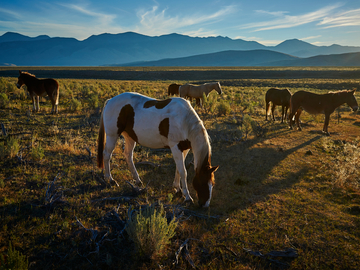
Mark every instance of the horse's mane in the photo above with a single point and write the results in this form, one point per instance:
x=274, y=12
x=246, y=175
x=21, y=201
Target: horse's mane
x=199, y=144
x=27, y=74
x=340, y=91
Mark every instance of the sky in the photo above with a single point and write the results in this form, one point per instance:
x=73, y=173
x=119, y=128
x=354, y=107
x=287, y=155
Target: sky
x=269, y=22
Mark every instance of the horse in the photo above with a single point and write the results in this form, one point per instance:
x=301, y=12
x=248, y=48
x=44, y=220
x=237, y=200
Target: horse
x=319, y=103
x=173, y=89
x=40, y=87
x=279, y=97
x=170, y=123
x=197, y=91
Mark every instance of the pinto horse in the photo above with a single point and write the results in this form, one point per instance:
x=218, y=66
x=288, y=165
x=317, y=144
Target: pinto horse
x=279, y=97
x=170, y=123
x=316, y=104
x=197, y=91
x=40, y=87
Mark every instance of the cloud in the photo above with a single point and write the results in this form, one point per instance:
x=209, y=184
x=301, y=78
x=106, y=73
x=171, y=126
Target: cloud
x=347, y=18
x=155, y=21
x=287, y=21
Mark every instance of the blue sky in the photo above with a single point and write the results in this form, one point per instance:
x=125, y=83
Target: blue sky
x=320, y=22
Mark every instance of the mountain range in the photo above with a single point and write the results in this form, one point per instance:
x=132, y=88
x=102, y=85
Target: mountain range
x=133, y=49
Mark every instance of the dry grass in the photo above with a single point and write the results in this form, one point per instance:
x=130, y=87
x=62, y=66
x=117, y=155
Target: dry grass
x=276, y=189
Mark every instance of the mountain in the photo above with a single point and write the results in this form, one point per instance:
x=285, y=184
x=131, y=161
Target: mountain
x=225, y=58
x=255, y=58
x=130, y=47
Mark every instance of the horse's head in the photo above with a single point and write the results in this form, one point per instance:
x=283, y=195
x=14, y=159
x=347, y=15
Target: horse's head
x=351, y=100
x=203, y=183
x=20, y=81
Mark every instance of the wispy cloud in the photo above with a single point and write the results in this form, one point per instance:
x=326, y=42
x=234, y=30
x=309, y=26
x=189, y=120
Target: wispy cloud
x=288, y=21
x=155, y=21
x=347, y=18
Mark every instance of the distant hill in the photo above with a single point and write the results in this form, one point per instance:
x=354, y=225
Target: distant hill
x=226, y=58
x=255, y=58
x=130, y=47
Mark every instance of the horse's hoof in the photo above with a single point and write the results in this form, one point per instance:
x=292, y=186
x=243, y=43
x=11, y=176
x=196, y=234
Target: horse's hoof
x=178, y=194
x=189, y=202
x=113, y=182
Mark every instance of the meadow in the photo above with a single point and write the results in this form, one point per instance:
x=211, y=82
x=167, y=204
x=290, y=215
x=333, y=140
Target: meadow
x=283, y=199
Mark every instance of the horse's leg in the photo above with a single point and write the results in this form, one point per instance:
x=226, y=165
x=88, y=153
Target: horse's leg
x=282, y=113
x=128, y=152
x=326, y=124
x=38, y=105
x=286, y=110
x=180, y=167
x=176, y=184
x=109, y=148
x=272, y=111
x=297, y=118
x=33, y=101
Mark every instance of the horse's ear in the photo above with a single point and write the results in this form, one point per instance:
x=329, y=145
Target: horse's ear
x=214, y=169
x=353, y=91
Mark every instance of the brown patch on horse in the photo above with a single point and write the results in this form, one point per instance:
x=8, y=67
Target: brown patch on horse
x=164, y=127
x=159, y=104
x=126, y=120
x=184, y=145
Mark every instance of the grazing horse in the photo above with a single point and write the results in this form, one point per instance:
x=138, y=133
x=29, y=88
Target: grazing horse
x=170, y=123
x=40, y=87
x=197, y=91
x=316, y=104
x=279, y=97
x=173, y=89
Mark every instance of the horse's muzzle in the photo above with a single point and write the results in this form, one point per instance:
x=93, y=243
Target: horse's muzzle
x=18, y=85
x=355, y=108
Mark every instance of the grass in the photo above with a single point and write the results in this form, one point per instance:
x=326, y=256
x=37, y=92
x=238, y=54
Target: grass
x=276, y=189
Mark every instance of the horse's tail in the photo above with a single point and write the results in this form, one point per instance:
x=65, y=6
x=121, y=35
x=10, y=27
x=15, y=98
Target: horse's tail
x=101, y=140
x=57, y=94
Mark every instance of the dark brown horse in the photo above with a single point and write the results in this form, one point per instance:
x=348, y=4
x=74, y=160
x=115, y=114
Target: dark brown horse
x=173, y=89
x=40, y=87
x=316, y=104
x=280, y=97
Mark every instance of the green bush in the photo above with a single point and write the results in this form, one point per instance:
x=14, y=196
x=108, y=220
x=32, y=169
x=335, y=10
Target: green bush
x=4, y=100
x=150, y=231
x=75, y=105
x=223, y=108
x=13, y=260
x=37, y=153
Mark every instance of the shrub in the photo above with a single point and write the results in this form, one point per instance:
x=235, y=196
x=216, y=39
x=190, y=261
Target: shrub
x=13, y=147
x=347, y=167
x=4, y=100
x=37, y=153
x=223, y=108
x=13, y=260
x=150, y=231
x=75, y=105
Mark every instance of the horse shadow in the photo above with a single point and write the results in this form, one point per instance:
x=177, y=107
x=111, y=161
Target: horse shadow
x=246, y=174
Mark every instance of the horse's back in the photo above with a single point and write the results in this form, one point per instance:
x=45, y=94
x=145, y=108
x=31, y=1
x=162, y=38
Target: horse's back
x=147, y=118
x=278, y=96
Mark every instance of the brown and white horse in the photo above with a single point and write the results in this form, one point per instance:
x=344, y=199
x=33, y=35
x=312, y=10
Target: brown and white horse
x=197, y=91
x=318, y=104
x=170, y=123
x=40, y=87
x=279, y=97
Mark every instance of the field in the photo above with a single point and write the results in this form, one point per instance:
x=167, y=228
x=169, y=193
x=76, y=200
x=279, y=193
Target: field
x=283, y=199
